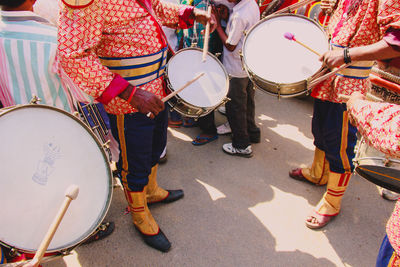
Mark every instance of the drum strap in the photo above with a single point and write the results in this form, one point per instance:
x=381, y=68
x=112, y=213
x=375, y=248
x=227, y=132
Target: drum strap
x=138, y=70
x=378, y=81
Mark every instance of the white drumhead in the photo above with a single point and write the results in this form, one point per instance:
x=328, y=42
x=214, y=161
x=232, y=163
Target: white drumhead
x=210, y=89
x=43, y=152
x=269, y=55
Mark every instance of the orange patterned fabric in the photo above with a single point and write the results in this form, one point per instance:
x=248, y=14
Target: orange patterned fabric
x=379, y=123
x=366, y=26
x=111, y=28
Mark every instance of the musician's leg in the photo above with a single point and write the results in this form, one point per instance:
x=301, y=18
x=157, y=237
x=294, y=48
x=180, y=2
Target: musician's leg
x=134, y=132
x=319, y=170
x=339, y=141
x=154, y=193
x=252, y=129
x=236, y=111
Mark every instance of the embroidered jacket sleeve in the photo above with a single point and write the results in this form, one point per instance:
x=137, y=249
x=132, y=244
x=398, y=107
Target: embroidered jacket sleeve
x=173, y=15
x=388, y=15
x=379, y=123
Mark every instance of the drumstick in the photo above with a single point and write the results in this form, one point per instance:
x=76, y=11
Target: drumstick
x=326, y=76
x=294, y=6
x=168, y=97
x=206, y=35
x=369, y=96
x=290, y=36
x=70, y=194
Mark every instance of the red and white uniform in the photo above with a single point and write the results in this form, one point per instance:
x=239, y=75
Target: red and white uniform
x=113, y=29
x=372, y=20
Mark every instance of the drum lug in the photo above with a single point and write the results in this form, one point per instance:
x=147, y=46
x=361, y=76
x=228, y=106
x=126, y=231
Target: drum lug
x=76, y=114
x=106, y=145
x=245, y=33
x=241, y=59
x=35, y=100
x=14, y=253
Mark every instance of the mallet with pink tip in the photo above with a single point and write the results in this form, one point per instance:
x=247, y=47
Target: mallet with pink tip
x=290, y=36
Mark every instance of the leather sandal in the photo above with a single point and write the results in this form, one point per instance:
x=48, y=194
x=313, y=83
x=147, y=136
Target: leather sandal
x=317, y=221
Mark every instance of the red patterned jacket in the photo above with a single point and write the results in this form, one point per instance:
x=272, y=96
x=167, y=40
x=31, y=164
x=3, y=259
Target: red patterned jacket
x=367, y=26
x=113, y=29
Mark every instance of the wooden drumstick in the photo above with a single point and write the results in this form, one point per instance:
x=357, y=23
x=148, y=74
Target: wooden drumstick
x=70, y=194
x=206, y=35
x=369, y=96
x=168, y=97
x=326, y=76
x=290, y=36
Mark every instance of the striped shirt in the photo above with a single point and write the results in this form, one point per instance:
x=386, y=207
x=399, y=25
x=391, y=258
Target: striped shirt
x=28, y=45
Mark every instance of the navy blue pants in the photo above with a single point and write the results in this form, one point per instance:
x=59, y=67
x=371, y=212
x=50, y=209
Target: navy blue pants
x=334, y=135
x=386, y=252
x=141, y=141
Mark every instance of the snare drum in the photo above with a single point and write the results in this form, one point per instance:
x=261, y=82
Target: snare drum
x=203, y=96
x=277, y=65
x=377, y=168
x=43, y=151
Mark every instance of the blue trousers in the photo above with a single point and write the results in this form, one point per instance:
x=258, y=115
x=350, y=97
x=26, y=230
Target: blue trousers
x=386, y=252
x=334, y=135
x=141, y=141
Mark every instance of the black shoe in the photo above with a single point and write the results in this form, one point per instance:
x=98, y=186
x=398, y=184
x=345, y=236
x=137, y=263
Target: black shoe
x=163, y=159
x=104, y=230
x=158, y=241
x=173, y=195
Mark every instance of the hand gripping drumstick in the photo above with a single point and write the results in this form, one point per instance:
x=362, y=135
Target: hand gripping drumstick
x=206, y=35
x=168, y=97
x=290, y=36
x=70, y=194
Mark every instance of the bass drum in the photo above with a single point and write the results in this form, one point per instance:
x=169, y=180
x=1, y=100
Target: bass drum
x=44, y=151
x=280, y=66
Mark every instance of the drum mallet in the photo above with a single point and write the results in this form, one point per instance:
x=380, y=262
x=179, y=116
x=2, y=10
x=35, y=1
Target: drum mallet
x=168, y=97
x=70, y=194
x=206, y=35
x=290, y=36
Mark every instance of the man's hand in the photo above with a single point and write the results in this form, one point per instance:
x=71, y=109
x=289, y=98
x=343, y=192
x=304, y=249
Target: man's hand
x=202, y=17
x=353, y=98
x=145, y=102
x=333, y=58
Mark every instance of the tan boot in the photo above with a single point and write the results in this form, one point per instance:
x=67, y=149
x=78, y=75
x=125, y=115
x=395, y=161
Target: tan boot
x=331, y=201
x=155, y=194
x=145, y=223
x=329, y=205
x=317, y=174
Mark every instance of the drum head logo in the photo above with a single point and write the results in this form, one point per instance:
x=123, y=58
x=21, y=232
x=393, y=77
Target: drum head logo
x=45, y=165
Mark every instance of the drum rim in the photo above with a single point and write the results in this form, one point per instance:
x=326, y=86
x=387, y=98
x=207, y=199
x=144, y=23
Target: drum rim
x=280, y=85
x=226, y=89
x=107, y=205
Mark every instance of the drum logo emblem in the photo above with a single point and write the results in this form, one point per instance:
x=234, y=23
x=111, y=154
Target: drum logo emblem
x=45, y=166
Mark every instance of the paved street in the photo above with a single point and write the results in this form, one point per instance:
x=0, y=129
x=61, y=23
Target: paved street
x=246, y=212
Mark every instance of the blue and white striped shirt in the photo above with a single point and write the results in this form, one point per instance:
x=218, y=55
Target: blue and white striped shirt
x=28, y=45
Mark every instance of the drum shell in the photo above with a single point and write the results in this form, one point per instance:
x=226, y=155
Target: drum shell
x=184, y=107
x=376, y=167
x=93, y=221
x=287, y=89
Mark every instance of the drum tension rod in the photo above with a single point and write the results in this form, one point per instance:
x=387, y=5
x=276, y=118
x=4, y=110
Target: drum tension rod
x=35, y=100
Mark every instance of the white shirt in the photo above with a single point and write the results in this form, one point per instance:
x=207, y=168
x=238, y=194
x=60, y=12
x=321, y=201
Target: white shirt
x=244, y=15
